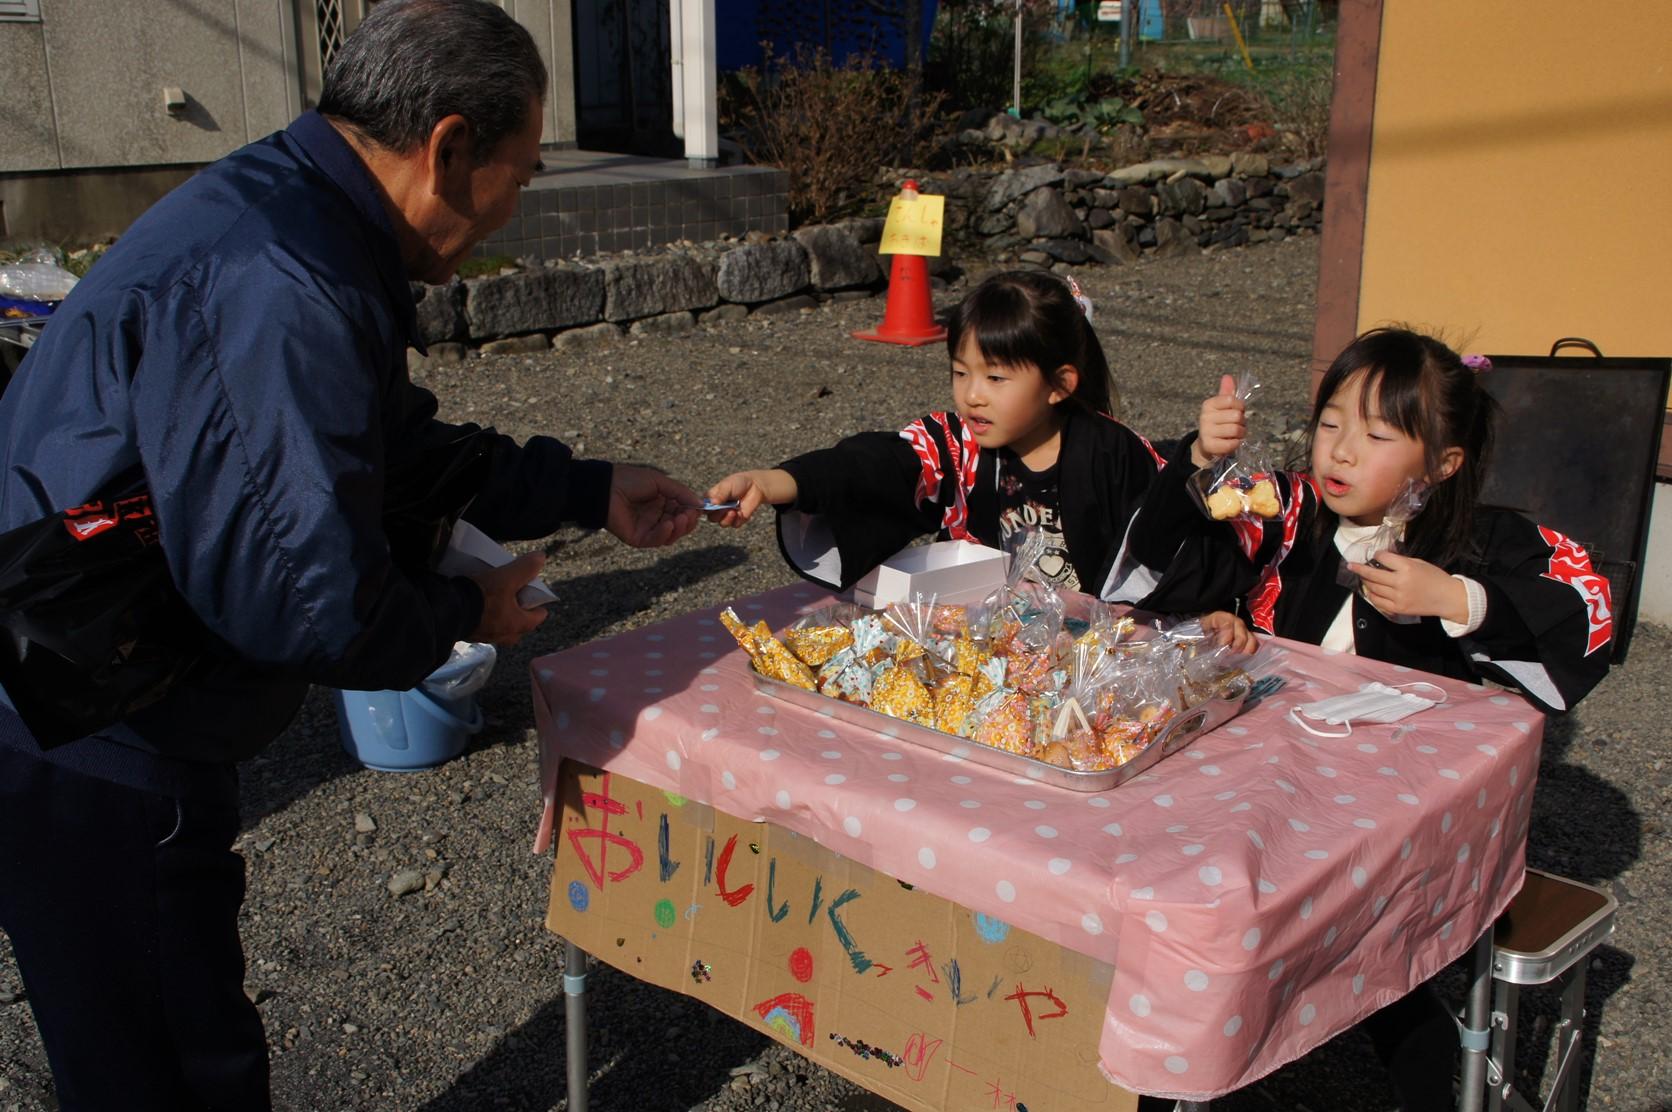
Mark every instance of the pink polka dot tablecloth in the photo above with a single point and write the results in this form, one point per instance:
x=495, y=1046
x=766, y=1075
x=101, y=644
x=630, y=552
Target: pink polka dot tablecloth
x=1256, y=893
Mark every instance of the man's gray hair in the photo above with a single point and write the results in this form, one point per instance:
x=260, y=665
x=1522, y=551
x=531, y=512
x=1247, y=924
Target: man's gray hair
x=413, y=63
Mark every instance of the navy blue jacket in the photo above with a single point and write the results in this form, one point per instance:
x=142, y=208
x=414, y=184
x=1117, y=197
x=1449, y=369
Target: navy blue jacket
x=245, y=344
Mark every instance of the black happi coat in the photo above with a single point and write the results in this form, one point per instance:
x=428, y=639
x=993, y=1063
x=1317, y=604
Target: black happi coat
x=861, y=501
x=1549, y=617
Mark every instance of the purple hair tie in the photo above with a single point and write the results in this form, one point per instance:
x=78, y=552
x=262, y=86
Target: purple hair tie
x=1477, y=363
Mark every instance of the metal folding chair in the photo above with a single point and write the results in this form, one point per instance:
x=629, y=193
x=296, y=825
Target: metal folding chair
x=1546, y=936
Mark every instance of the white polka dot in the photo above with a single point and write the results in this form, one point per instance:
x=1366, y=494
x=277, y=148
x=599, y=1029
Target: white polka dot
x=890, y=731
x=1358, y=984
x=904, y=804
x=1524, y=727
x=653, y=691
x=709, y=687
x=1344, y=800
x=599, y=672
x=1408, y=799
x=1210, y=875
x=711, y=733
x=1045, y=831
x=1177, y=828
x=1241, y=807
x=1480, y=799
x=1439, y=906
x=1405, y=850
x=969, y=804
x=765, y=710
x=1366, y=747
x=1514, y=776
x=1306, y=908
x=899, y=777
x=1237, y=730
x=1233, y=1025
x=1090, y=923
x=892, y=756
x=709, y=708
x=1427, y=750
x=831, y=755
x=1156, y=921
x=1163, y=801
x=926, y=857
x=1250, y=938
x=1210, y=770
x=547, y=675
x=1223, y=796
x=596, y=695
x=1287, y=787
x=1126, y=859
x=1317, y=854
x=1195, y=980
x=1386, y=771
x=1445, y=823
x=1451, y=774
x=835, y=778
x=1308, y=1013
x=1266, y=886
x=673, y=760
x=1298, y=826
x=1326, y=772
x=850, y=825
x=1144, y=893
x=768, y=731
x=770, y=754
x=1059, y=865
x=1006, y=891
x=782, y=799
x=1464, y=725
x=600, y=654
x=1098, y=801
x=1501, y=700
x=728, y=780
x=1275, y=971
x=1463, y=853
x=827, y=734
x=1034, y=805
x=1361, y=876
x=1114, y=828
x=1176, y=1064
x=653, y=637
x=1140, y=1005
x=1376, y=908
x=979, y=834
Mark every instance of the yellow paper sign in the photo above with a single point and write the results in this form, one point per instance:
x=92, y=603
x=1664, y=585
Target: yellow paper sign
x=914, y=226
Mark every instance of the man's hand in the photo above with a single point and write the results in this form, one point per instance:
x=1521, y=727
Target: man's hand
x=1222, y=424
x=1403, y=585
x=648, y=509
x=750, y=490
x=504, y=621
x=1225, y=628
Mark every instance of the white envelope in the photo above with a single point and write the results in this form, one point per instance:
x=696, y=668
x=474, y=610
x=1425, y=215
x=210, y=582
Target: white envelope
x=470, y=551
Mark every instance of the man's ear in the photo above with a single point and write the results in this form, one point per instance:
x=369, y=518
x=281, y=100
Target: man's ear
x=1067, y=381
x=1450, y=460
x=447, y=153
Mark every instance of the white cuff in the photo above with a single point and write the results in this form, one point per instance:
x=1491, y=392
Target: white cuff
x=1477, y=609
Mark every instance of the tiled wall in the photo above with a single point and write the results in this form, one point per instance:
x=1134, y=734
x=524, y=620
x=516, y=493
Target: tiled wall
x=586, y=218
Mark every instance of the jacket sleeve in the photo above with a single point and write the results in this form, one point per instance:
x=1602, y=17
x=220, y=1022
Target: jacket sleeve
x=532, y=489
x=259, y=411
x=857, y=504
x=1549, y=619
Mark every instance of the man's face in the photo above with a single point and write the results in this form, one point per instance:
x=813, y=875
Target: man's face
x=474, y=199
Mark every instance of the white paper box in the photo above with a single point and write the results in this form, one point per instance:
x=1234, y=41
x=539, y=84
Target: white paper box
x=469, y=551
x=951, y=571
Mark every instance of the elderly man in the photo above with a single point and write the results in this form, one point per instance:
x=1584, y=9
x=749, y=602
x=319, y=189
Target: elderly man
x=242, y=352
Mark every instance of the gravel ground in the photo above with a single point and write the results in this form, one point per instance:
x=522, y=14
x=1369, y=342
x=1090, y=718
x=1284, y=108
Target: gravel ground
x=449, y=997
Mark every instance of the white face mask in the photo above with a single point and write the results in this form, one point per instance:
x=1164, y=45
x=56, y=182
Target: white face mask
x=1374, y=702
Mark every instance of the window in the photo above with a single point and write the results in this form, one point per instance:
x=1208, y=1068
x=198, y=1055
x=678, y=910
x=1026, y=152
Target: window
x=20, y=11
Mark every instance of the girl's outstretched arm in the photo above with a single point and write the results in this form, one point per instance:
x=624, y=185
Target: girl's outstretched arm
x=750, y=490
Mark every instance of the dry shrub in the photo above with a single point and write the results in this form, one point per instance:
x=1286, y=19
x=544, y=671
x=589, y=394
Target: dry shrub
x=830, y=126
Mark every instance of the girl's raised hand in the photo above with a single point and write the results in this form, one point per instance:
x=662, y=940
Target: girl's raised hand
x=1225, y=628
x=1222, y=424
x=750, y=490
x=1404, y=585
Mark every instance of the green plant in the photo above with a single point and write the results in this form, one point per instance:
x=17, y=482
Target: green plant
x=491, y=264
x=832, y=127
x=1105, y=115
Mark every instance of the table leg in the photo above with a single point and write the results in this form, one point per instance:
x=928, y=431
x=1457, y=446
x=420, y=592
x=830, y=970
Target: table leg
x=1477, y=1027
x=574, y=1016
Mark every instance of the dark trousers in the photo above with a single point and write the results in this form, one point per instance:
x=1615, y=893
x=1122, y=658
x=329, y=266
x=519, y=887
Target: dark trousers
x=122, y=908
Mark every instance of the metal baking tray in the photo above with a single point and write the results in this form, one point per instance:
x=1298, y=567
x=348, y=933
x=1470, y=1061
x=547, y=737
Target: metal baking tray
x=1180, y=732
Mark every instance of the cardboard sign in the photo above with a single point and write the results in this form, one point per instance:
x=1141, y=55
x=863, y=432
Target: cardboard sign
x=917, y=999
x=913, y=226
x=1108, y=11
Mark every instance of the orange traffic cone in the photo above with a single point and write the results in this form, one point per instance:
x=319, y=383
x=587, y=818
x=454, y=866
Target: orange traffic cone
x=908, y=318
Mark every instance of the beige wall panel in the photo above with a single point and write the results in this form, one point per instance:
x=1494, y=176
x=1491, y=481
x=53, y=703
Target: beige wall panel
x=110, y=62
x=1518, y=153
x=28, y=140
x=269, y=66
x=548, y=22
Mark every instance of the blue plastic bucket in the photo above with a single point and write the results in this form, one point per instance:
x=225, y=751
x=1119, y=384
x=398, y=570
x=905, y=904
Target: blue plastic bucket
x=404, y=731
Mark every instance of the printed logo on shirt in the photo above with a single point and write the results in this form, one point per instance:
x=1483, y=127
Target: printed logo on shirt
x=86, y=528
x=1571, y=564
x=1053, y=566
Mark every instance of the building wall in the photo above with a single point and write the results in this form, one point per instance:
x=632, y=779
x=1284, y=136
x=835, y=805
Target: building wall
x=81, y=94
x=1512, y=191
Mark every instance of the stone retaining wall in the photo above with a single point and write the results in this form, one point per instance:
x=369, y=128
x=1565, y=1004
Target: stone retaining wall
x=1031, y=216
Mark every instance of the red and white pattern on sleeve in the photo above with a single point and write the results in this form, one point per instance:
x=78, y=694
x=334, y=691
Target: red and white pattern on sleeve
x=1262, y=600
x=964, y=463
x=1571, y=564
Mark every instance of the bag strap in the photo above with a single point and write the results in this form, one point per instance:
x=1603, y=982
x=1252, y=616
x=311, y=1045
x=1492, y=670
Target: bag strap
x=1575, y=341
